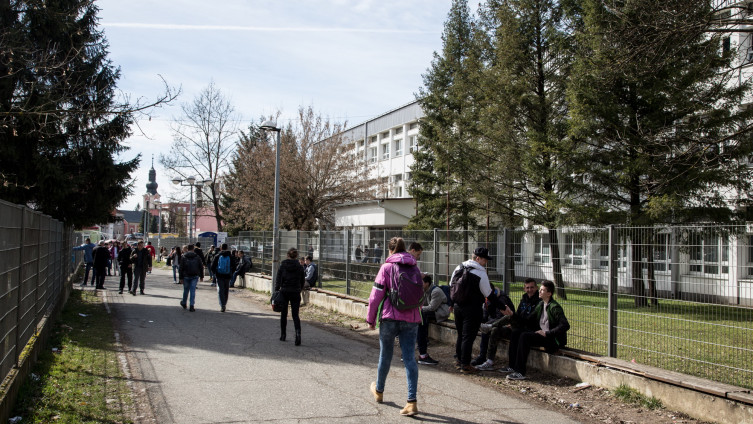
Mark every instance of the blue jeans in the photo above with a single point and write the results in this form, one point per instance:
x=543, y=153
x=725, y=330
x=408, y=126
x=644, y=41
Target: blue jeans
x=189, y=285
x=89, y=265
x=175, y=273
x=406, y=332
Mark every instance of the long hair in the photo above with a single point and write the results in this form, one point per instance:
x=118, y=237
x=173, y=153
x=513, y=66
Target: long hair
x=396, y=245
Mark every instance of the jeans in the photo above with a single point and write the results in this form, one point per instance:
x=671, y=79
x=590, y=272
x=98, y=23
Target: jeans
x=223, y=285
x=89, y=265
x=423, y=331
x=139, y=275
x=175, y=273
x=294, y=298
x=235, y=275
x=406, y=333
x=189, y=286
x=467, y=323
x=521, y=342
x=126, y=271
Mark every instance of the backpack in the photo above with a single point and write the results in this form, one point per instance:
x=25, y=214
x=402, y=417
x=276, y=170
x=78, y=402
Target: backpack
x=446, y=290
x=193, y=266
x=223, y=264
x=460, y=287
x=405, y=292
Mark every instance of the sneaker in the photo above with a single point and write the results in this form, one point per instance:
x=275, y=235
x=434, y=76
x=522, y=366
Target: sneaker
x=506, y=370
x=486, y=366
x=142, y=291
x=183, y=305
x=120, y=291
x=378, y=397
x=468, y=369
x=486, y=328
x=516, y=376
x=478, y=360
x=192, y=309
x=427, y=360
x=133, y=292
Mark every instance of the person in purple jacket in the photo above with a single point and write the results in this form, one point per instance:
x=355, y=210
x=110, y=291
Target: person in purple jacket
x=402, y=324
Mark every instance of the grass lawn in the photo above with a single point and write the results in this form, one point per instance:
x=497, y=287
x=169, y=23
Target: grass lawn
x=709, y=341
x=82, y=382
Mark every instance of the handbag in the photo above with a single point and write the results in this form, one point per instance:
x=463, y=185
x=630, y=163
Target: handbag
x=277, y=301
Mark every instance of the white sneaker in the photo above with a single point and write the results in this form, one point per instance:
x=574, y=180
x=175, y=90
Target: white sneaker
x=486, y=366
x=516, y=376
x=506, y=370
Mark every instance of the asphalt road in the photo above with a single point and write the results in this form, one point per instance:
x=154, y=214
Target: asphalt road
x=213, y=367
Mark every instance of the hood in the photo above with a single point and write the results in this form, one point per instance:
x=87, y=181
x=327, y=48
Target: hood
x=473, y=264
x=403, y=258
x=224, y=253
x=190, y=254
x=290, y=264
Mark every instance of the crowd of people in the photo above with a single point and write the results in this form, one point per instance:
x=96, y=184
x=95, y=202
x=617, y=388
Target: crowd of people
x=538, y=321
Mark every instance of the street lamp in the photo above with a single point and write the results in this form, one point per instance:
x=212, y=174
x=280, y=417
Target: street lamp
x=158, y=205
x=271, y=125
x=190, y=181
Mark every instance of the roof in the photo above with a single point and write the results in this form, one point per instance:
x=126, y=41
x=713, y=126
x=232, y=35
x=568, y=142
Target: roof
x=131, y=216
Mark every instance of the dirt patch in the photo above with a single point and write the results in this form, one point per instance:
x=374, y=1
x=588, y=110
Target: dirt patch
x=588, y=405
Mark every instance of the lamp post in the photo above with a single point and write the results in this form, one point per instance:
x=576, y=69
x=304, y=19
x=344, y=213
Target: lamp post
x=158, y=205
x=190, y=181
x=146, y=218
x=271, y=125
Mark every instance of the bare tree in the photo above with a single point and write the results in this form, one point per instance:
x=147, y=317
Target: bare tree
x=318, y=170
x=203, y=140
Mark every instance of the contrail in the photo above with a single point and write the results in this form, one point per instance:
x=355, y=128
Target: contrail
x=182, y=27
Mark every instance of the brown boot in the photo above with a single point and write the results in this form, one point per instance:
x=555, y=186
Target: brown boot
x=467, y=369
x=379, y=397
x=411, y=409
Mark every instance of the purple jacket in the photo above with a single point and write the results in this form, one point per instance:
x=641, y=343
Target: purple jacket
x=383, y=283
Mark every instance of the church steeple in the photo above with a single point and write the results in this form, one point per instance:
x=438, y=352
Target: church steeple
x=151, y=186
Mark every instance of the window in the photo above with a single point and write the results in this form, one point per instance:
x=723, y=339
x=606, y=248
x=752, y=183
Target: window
x=574, y=250
x=373, y=139
x=414, y=125
x=385, y=151
x=385, y=134
x=541, y=246
x=517, y=247
x=398, y=130
x=749, y=259
x=397, y=191
x=398, y=147
x=726, y=45
x=372, y=154
x=661, y=252
x=360, y=143
x=397, y=178
x=601, y=255
x=408, y=176
x=709, y=255
x=412, y=143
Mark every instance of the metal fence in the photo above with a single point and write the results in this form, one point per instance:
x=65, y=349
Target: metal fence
x=678, y=298
x=35, y=261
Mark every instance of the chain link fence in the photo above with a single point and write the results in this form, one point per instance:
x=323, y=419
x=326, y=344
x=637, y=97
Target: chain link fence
x=35, y=261
x=677, y=298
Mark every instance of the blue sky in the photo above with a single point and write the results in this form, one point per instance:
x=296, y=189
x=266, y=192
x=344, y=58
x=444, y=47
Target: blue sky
x=350, y=60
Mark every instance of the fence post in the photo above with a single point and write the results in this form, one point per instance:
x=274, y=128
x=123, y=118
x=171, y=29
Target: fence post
x=612, y=293
x=348, y=242
x=674, y=263
x=506, y=260
x=21, y=249
x=435, y=257
x=319, y=249
x=384, y=245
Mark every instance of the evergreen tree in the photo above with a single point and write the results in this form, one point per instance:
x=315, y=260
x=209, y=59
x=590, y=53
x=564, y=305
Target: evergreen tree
x=445, y=167
x=661, y=133
x=525, y=119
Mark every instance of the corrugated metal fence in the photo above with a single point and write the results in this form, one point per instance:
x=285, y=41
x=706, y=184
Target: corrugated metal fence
x=35, y=261
x=678, y=298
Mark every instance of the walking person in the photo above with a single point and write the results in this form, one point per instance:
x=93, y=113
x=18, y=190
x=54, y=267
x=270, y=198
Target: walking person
x=87, y=247
x=200, y=254
x=175, y=257
x=469, y=286
x=210, y=258
x=126, y=270
x=289, y=283
x=191, y=268
x=152, y=252
x=114, y=250
x=142, y=263
x=101, y=255
x=221, y=270
x=398, y=280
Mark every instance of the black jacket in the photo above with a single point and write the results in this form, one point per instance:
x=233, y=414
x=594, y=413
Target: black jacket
x=101, y=255
x=290, y=277
x=216, y=262
x=244, y=265
x=200, y=253
x=141, y=258
x=124, y=256
x=191, y=265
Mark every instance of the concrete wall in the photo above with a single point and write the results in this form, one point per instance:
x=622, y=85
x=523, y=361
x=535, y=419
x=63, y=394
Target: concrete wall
x=702, y=399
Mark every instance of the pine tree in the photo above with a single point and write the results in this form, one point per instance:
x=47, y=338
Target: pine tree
x=658, y=118
x=61, y=128
x=445, y=167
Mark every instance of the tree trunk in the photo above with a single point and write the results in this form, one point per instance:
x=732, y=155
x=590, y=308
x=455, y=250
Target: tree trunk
x=639, y=290
x=554, y=247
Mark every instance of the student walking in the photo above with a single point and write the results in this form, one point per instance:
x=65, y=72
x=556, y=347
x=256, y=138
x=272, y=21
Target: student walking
x=174, y=258
x=87, y=247
x=191, y=268
x=142, y=263
x=126, y=270
x=101, y=255
x=289, y=282
x=398, y=280
x=221, y=270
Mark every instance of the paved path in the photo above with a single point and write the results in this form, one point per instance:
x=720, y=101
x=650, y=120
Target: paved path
x=212, y=367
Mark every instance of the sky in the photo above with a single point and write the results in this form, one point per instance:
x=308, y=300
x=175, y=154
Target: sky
x=350, y=60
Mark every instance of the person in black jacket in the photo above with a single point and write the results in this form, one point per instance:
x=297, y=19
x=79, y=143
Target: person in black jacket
x=222, y=278
x=200, y=254
x=101, y=256
x=141, y=259
x=124, y=259
x=191, y=268
x=289, y=282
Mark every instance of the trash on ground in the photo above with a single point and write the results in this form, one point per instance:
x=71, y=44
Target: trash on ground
x=82, y=315
x=15, y=420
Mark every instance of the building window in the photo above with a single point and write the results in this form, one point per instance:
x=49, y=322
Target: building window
x=412, y=143
x=408, y=176
x=397, y=191
x=709, y=255
x=661, y=252
x=726, y=45
x=373, y=139
x=372, y=154
x=574, y=250
x=541, y=247
x=414, y=125
x=398, y=130
x=398, y=148
x=385, y=151
x=749, y=259
x=385, y=134
x=601, y=255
